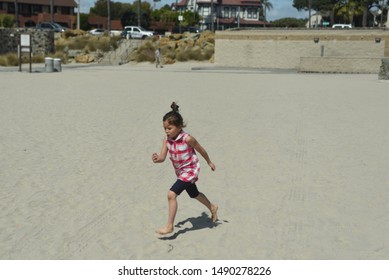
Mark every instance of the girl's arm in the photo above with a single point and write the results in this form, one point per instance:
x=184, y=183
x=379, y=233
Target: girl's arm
x=196, y=145
x=162, y=156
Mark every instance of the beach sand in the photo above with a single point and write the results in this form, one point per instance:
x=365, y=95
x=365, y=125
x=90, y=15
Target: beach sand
x=302, y=164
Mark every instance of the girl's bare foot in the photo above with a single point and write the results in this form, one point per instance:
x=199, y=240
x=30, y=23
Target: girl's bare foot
x=165, y=230
x=214, y=213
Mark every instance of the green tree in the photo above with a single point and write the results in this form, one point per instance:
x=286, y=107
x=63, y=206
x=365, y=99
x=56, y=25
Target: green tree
x=125, y=12
x=190, y=18
x=267, y=6
x=289, y=22
x=366, y=6
x=6, y=21
x=100, y=8
x=130, y=14
x=117, y=9
x=166, y=14
x=84, y=24
x=347, y=9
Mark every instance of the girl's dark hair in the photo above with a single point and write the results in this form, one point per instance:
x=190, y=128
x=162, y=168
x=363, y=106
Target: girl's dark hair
x=174, y=117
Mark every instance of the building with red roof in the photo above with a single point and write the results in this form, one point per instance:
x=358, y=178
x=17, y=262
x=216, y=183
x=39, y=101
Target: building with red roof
x=32, y=12
x=226, y=13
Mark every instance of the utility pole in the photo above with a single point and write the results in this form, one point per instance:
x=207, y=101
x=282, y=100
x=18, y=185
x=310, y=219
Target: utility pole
x=78, y=14
x=16, y=13
x=52, y=11
x=264, y=14
x=139, y=11
x=212, y=27
x=238, y=16
x=309, y=14
x=109, y=15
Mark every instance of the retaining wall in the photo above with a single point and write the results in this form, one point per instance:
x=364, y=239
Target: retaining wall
x=42, y=41
x=305, y=50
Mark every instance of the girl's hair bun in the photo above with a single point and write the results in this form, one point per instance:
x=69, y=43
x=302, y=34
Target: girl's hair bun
x=174, y=117
x=174, y=107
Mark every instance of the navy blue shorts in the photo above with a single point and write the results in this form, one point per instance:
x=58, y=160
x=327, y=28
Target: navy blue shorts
x=179, y=186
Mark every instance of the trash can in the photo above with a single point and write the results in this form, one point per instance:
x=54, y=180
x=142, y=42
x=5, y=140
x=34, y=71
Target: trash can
x=57, y=65
x=49, y=64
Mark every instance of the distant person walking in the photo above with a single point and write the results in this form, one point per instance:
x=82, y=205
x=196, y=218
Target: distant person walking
x=158, y=58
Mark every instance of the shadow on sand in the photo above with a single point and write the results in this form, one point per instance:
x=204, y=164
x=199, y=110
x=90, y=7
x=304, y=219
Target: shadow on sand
x=198, y=223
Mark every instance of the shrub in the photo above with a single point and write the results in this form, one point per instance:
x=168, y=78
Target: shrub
x=289, y=22
x=182, y=55
x=37, y=59
x=3, y=61
x=195, y=54
x=144, y=53
x=208, y=52
x=78, y=43
x=12, y=59
x=9, y=59
x=168, y=52
x=73, y=33
x=6, y=21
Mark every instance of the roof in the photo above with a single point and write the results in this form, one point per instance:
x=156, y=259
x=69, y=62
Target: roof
x=227, y=2
x=241, y=21
x=61, y=3
x=181, y=3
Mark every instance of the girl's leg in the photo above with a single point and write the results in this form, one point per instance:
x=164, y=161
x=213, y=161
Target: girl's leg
x=213, y=208
x=172, y=201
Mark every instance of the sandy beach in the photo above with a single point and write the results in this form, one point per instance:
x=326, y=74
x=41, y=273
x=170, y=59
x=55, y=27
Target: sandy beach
x=302, y=164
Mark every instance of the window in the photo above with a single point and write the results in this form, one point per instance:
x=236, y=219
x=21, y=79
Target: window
x=226, y=12
x=206, y=11
x=233, y=12
x=24, y=9
x=249, y=13
x=66, y=11
x=36, y=9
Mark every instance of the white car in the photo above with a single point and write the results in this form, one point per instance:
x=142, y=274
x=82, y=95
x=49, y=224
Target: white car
x=342, y=26
x=97, y=32
x=136, y=32
x=115, y=32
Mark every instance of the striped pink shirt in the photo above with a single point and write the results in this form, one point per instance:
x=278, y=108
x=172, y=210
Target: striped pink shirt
x=184, y=158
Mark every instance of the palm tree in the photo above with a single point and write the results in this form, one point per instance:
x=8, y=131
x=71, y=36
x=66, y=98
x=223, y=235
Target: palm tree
x=349, y=10
x=267, y=6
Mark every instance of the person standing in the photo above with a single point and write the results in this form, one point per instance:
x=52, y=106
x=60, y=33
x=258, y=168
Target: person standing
x=158, y=58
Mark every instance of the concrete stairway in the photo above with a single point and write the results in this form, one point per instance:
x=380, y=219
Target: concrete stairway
x=120, y=55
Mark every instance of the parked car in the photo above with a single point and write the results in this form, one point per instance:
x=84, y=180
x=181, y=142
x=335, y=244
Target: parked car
x=97, y=32
x=136, y=32
x=50, y=26
x=63, y=28
x=342, y=26
x=115, y=33
x=125, y=34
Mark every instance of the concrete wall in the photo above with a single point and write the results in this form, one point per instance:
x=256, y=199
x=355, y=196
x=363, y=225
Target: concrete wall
x=340, y=64
x=297, y=49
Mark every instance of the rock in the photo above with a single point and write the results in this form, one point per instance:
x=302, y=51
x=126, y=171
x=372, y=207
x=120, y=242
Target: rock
x=73, y=53
x=168, y=60
x=85, y=58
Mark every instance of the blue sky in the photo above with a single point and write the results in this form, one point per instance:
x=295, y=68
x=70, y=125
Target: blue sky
x=281, y=8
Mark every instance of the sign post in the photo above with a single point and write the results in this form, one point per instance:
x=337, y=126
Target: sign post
x=24, y=47
x=180, y=19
